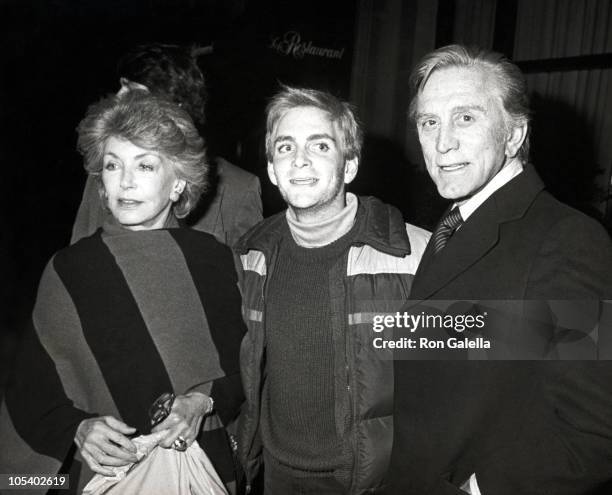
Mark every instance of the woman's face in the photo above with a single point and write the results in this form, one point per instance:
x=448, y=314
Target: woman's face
x=140, y=186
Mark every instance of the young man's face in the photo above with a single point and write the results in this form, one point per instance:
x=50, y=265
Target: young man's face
x=308, y=165
x=460, y=122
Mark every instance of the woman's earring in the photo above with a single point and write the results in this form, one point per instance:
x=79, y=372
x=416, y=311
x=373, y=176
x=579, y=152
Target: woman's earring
x=175, y=195
x=104, y=199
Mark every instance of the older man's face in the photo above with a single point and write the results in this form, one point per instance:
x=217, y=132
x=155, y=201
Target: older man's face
x=460, y=123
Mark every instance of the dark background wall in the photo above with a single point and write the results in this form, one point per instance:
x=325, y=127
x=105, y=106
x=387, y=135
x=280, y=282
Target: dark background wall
x=58, y=56
x=563, y=46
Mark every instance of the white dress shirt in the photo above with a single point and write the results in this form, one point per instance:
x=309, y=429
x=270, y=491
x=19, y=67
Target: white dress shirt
x=502, y=177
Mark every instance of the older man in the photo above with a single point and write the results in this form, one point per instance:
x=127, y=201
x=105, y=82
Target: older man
x=511, y=427
x=319, y=399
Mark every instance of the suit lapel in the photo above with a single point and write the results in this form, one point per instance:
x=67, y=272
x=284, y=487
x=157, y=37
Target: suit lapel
x=478, y=235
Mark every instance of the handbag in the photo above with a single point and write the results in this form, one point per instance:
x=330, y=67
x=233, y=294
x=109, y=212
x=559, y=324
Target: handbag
x=160, y=471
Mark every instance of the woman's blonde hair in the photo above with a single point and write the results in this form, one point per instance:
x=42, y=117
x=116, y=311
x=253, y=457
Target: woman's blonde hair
x=152, y=123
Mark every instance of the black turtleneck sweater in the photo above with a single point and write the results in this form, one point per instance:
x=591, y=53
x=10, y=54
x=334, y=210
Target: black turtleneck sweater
x=298, y=424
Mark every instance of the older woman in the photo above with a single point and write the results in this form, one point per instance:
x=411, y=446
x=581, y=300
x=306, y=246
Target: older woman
x=138, y=309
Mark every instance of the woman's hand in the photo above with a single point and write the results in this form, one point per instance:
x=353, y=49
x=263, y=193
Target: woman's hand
x=103, y=443
x=185, y=418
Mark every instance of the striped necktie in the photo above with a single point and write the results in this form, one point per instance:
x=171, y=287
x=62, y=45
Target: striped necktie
x=447, y=227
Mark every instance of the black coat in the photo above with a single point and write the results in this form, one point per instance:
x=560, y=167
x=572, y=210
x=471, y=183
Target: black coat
x=524, y=427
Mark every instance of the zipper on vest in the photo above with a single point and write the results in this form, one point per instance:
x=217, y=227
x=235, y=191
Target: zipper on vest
x=349, y=364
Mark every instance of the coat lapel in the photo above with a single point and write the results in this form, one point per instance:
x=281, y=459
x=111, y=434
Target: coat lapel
x=470, y=243
x=478, y=235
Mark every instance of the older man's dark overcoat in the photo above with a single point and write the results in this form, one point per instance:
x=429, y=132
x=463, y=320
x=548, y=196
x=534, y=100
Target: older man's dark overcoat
x=523, y=427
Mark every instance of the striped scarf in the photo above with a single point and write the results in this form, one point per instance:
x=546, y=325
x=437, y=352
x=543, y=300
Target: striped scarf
x=120, y=318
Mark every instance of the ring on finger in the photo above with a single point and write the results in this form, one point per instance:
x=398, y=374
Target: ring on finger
x=179, y=444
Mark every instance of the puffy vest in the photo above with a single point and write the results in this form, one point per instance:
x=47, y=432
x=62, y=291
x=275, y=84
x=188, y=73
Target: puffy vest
x=373, y=278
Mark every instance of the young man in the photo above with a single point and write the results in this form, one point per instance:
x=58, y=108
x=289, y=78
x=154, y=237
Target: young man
x=500, y=427
x=319, y=398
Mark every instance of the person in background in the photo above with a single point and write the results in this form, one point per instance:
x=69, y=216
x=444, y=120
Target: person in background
x=318, y=396
x=497, y=427
x=139, y=309
x=233, y=205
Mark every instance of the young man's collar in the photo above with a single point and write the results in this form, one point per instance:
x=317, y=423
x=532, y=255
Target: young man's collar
x=322, y=233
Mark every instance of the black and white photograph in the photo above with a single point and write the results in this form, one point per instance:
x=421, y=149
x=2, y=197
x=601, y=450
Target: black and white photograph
x=270, y=247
